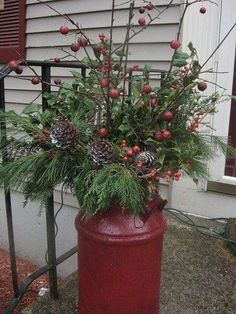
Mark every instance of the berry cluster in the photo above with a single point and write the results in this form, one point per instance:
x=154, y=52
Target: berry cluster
x=129, y=152
x=195, y=123
x=162, y=135
x=142, y=10
x=15, y=66
x=172, y=175
x=41, y=137
x=185, y=70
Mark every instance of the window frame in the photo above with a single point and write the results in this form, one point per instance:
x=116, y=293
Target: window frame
x=219, y=182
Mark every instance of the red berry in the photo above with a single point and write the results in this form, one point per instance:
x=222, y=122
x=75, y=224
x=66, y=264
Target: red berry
x=64, y=29
x=102, y=37
x=103, y=83
x=103, y=132
x=75, y=47
x=43, y=139
x=166, y=134
x=35, y=80
x=57, y=81
x=57, y=60
x=169, y=173
x=154, y=189
x=97, y=48
x=202, y=10
x=19, y=69
x=139, y=164
x=153, y=103
x=83, y=42
x=46, y=133
x=202, y=86
x=175, y=44
x=167, y=116
x=36, y=132
x=146, y=89
x=150, y=6
x=178, y=174
x=114, y=93
x=177, y=178
x=130, y=153
x=142, y=21
x=141, y=10
x=158, y=136
x=136, y=149
x=13, y=65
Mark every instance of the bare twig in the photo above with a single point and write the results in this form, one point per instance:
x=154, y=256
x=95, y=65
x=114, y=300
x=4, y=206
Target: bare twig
x=147, y=24
x=178, y=35
x=214, y=51
x=213, y=83
x=109, y=104
x=69, y=19
x=123, y=3
x=126, y=43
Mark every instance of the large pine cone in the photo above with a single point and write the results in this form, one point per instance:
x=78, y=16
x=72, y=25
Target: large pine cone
x=147, y=159
x=19, y=150
x=101, y=152
x=65, y=135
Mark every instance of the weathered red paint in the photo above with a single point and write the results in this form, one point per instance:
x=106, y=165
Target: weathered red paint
x=120, y=261
x=12, y=30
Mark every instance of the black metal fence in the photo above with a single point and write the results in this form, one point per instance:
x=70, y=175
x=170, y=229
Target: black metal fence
x=52, y=261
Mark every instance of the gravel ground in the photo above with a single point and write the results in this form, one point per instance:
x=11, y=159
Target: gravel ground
x=199, y=276
x=24, y=268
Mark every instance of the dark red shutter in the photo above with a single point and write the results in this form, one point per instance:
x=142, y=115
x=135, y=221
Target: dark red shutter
x=12, y=31
x=230, y=166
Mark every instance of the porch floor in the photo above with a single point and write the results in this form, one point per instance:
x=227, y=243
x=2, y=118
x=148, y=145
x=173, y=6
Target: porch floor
x=199, y=276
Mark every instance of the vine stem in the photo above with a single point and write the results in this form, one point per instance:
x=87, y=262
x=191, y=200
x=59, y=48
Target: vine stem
x=144, y=27
x=178, y=36
x=131, y=10
x=65, y=16
x=109, y=104
x=186, y=4
x=214, y=51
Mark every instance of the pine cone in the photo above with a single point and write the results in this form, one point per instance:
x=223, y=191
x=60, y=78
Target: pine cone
x=101, y=152
x=65, y=135
x=22, y=149
x=147, y=159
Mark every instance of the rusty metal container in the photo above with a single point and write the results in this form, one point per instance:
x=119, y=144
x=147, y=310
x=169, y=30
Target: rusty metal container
x=119, y=258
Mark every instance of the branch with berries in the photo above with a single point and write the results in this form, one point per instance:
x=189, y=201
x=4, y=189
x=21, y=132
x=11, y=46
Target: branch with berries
x=112, y=135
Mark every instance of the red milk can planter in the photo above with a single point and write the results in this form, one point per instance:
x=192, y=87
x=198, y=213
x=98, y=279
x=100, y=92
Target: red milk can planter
x=119, y=258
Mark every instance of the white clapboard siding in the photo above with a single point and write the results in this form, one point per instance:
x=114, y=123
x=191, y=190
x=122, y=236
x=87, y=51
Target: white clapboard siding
x=36, y=9
x=26, y=83
x=163, y=35
x=154, y=52
x=44, y=41
x=16, y=107
x=23, y=96
x=97, y=20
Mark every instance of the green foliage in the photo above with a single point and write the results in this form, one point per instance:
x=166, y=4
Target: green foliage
x=180, y=59
x=35, y=163
x=97, y=190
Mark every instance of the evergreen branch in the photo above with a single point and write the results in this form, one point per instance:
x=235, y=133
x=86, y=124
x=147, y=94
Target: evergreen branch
x=112, y=183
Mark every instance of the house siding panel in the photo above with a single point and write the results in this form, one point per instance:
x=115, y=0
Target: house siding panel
x=43, y=40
